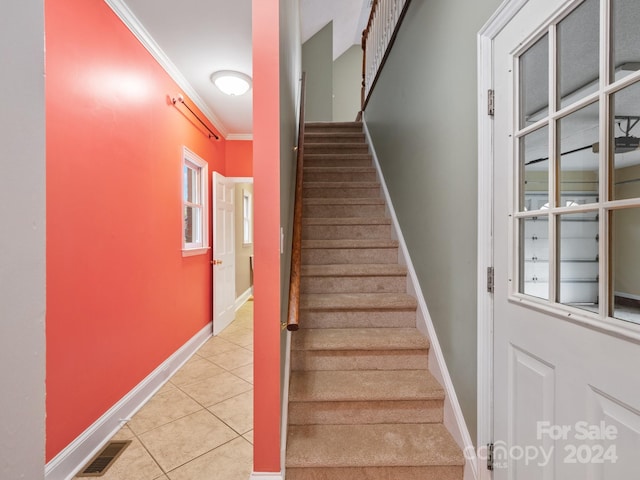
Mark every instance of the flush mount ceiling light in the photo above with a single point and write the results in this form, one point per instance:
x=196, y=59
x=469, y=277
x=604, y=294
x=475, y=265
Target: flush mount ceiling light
x=231, y=82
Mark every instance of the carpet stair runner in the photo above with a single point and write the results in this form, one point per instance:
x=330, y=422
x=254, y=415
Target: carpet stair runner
x=362, y=402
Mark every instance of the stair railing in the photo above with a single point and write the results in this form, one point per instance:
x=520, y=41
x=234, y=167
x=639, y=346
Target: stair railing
x=377, y=39
x=293, y=318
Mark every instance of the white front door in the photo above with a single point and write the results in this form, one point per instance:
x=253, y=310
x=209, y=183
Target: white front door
x=566, y=213
x=224, y=270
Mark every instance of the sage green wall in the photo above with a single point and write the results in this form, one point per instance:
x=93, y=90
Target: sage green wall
x=422, y=117
x=243, y=252
x=22, y=241
x=347, y=82
x=317, y=62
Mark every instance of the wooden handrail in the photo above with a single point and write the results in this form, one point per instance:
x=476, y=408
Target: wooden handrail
x=391, y=14
x=293, y=319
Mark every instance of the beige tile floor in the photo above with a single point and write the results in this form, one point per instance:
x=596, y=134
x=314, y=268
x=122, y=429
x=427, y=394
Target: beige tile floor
x=199, y=425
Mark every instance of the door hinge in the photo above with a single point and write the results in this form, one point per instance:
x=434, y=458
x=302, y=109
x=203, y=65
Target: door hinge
x=490, y=279
x=491, y=99
x=490, y=456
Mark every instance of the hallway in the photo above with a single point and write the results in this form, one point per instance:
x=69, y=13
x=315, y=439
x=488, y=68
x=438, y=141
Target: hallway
x=198, y=425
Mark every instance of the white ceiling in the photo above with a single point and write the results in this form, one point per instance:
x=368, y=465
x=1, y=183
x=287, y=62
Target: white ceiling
x=194, y=38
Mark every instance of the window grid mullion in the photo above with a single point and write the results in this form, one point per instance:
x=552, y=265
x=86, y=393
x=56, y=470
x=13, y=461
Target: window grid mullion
x=604, y=268
x=553, y=166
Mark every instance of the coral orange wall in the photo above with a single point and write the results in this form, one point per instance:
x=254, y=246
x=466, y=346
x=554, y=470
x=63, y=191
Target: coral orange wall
x=266, y=193
x=120, y=296
x=239, y=161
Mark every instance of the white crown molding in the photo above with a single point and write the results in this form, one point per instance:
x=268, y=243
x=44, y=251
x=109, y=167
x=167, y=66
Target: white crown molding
x=239, y=136
x=131, y=21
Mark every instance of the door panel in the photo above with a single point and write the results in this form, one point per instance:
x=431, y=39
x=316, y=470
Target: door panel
x=224, y=270
x=566, y=391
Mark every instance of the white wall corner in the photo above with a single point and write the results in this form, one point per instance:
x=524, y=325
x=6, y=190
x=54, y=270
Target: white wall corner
x=64, y=465
x=453, y=418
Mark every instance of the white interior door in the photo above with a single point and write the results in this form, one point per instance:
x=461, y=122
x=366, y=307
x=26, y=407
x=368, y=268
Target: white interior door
x=566, y=202
x=224, y=269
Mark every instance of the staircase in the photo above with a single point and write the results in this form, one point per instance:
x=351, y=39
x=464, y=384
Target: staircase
x=362, y=403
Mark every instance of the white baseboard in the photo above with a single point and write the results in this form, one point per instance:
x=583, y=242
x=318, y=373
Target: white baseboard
x=453, y=418
x=266, y=476
x=285, y=405
x=65, y=465
x=630, y=296
x=242, y=299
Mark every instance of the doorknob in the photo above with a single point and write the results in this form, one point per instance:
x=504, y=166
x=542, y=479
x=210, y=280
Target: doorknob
x=216, y=262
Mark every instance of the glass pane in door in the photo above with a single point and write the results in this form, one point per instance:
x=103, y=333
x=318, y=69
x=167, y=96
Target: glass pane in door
x=625, y=132
x=578, y=260
x=578, y=160
x=625, y=37
x=534, y=83
x=534, y=256
x=578, y=53
x=534, y=170
x=625, y=275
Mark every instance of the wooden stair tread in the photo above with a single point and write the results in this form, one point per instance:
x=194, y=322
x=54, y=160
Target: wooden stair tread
x=397, y=445
x=339, y=170
x=343, y=201
x=357, y=301
x=347, y=221
x=363, y=385
x=334, y=134
x=332, y=124
x=341, y=184
x=360, y=339
x=353, y=270
x=350, y=243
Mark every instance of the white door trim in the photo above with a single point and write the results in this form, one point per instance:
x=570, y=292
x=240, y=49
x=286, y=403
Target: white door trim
x=507, y=10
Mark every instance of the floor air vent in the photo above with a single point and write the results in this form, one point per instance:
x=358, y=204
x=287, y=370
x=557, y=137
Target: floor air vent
x=104, y=459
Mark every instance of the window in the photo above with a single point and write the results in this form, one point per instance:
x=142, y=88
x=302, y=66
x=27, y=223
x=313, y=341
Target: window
x=577, y=153
x=247, y=218
x=195, y=193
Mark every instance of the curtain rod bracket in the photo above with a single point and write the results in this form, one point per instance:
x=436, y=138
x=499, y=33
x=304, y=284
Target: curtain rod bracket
x=180, y=99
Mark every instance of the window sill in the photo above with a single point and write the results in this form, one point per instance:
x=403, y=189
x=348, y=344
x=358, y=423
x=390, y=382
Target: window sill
x=191, y=252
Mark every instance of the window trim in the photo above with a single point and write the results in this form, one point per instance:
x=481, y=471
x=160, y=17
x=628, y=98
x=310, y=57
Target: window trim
x=247, y=221
x=193, y=161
